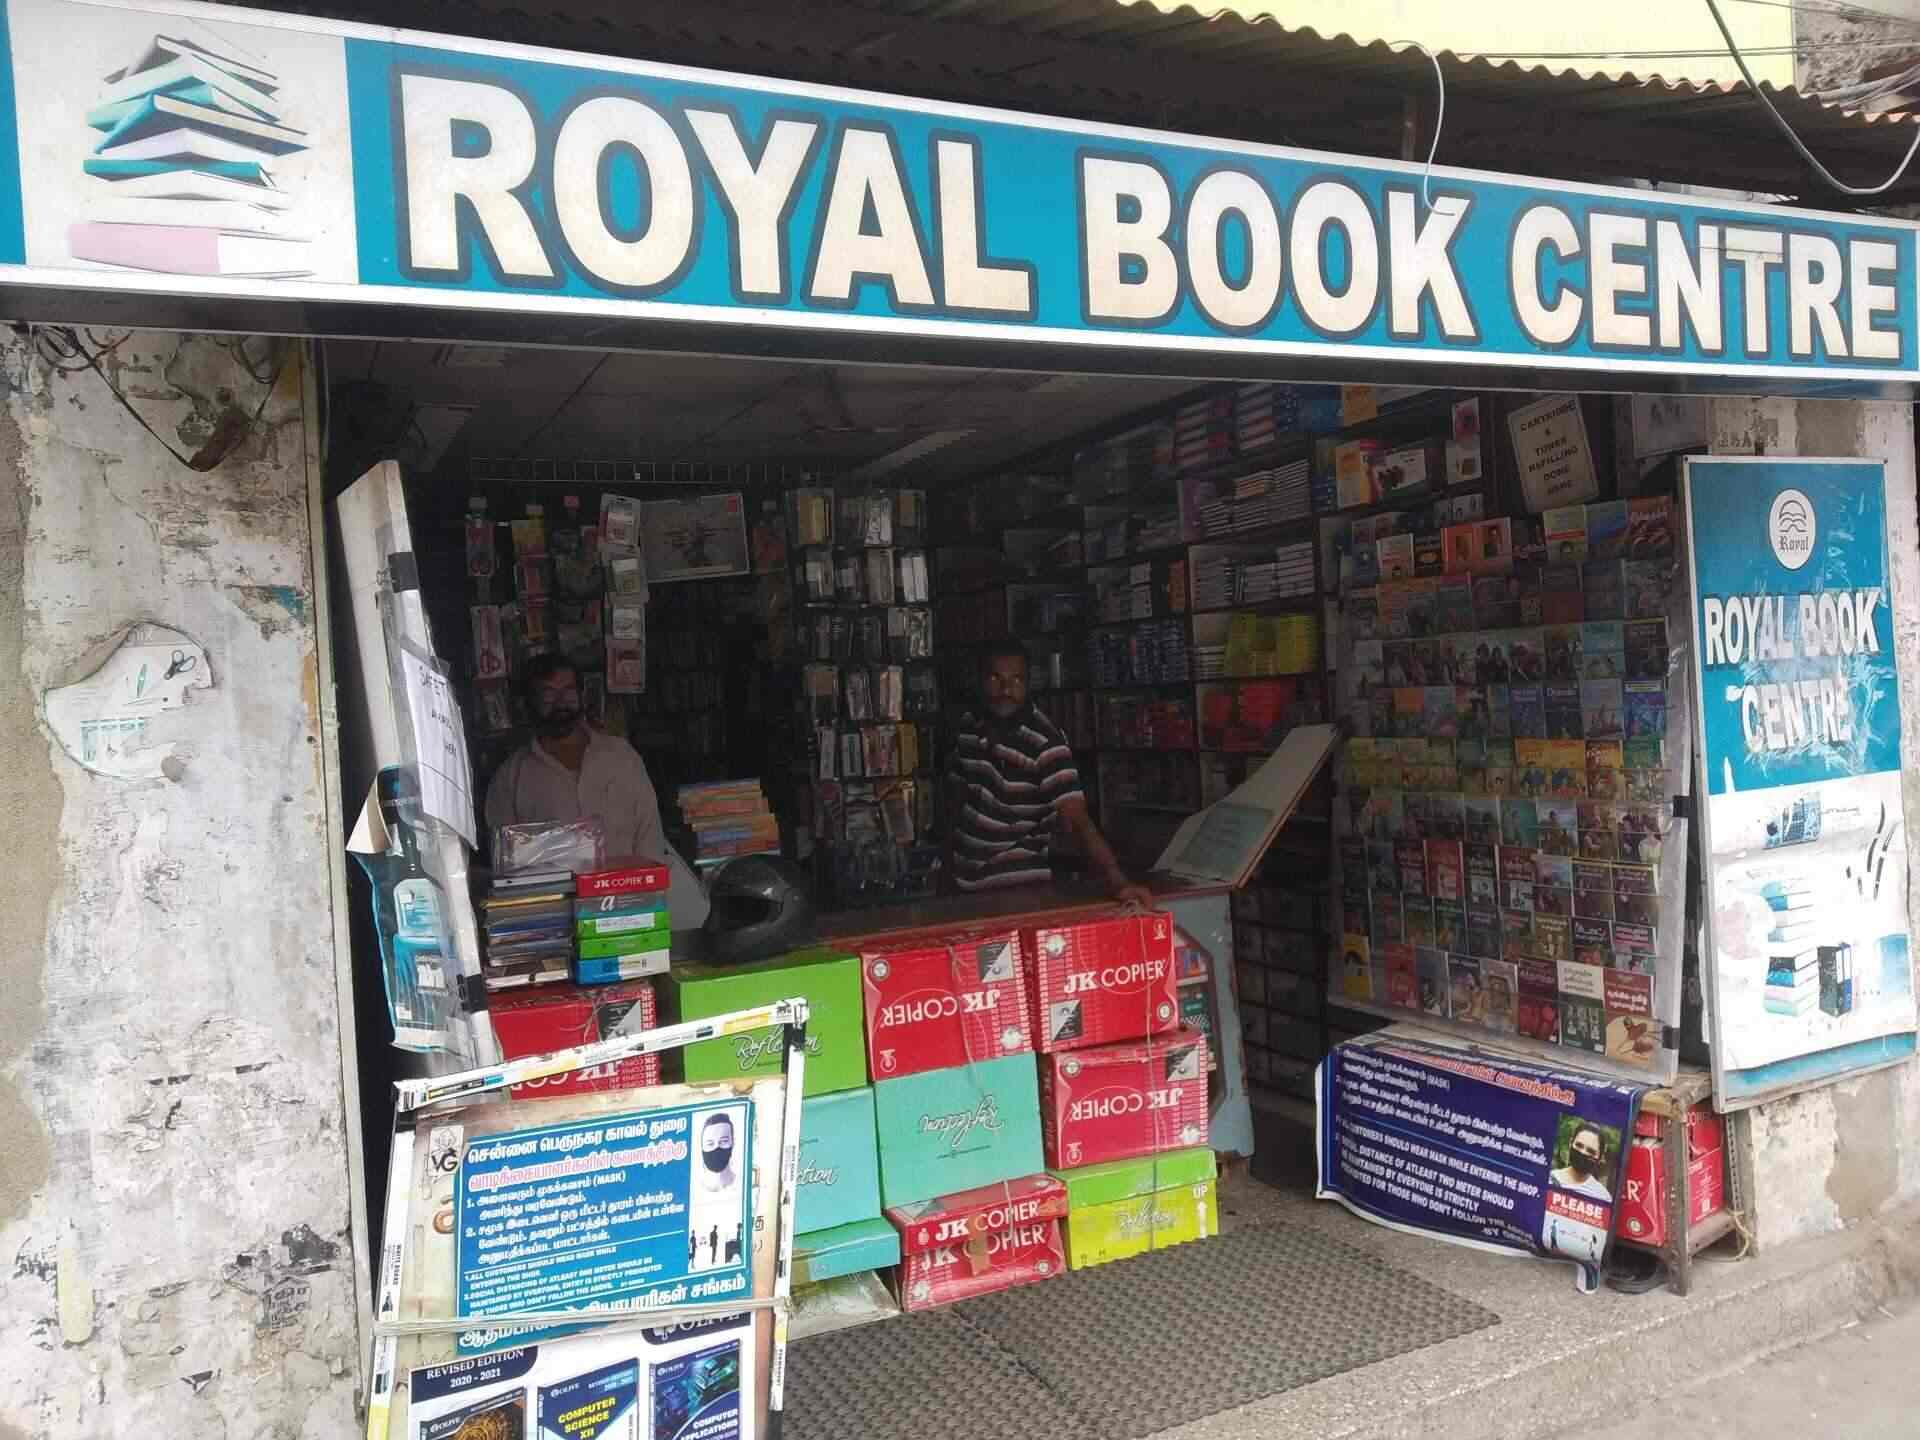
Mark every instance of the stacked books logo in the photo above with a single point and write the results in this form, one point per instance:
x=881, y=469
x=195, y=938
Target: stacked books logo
x=190, y=136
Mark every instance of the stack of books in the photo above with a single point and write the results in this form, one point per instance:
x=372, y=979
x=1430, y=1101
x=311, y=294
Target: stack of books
x=1264, y=497
x=189, y=136
x=527, y=922
x=728, y=818
x=1793, y=954
x=622, y=927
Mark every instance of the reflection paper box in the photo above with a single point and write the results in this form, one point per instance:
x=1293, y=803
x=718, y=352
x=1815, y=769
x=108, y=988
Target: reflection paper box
x=948, y=1002
x=1101, y=981
x=1128, y=1207
x=978, y=1241
x=558, y=1017
x=1121, y=1101
x=871, y=1244
x=827, y=979
x=839, y=1177
x=951, y=1130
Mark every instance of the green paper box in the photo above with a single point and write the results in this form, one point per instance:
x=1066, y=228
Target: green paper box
x=827, y=979
x=1128, y=1207
x=1129, y=1179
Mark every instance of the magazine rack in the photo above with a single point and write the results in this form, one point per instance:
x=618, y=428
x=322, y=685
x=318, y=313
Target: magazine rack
x=445, y=1096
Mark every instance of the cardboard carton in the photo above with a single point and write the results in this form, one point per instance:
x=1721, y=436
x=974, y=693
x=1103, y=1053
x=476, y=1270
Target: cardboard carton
x=1119, y=1101
x=871, y=1244
x=944, y=1131
x=978, y=1241
x=948, y=1002
x=827, y=979
x=1096, y=1234
x=1101, y=981
x=546, y=1018
x=839, y=1177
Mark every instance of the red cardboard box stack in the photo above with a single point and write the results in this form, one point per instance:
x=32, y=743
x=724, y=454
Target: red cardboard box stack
x=1119, y=1076
x=979, y=1241
x=954, y=1000
x=945, y=1002
x=557, y=1017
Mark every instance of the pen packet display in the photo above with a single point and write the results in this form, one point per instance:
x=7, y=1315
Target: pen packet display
x=1508, y=851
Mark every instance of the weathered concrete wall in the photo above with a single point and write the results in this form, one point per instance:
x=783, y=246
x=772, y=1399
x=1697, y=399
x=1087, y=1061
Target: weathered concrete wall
x=1832, y=1156
x=174, y=1208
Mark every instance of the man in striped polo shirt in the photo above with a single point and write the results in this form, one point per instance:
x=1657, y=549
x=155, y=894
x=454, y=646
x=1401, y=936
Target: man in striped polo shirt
x=1013, y=784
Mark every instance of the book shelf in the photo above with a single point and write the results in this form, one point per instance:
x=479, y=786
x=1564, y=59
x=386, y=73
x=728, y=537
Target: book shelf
x=1213, y=539
x=867, y=701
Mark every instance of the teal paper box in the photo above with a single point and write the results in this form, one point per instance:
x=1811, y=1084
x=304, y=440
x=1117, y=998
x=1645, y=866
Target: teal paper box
x=948, y=1130
x=828, y=1254
x=839, y=1179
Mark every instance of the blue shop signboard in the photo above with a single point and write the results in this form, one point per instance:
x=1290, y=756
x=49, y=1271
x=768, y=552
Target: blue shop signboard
x=1799, y=743
x=238, y=153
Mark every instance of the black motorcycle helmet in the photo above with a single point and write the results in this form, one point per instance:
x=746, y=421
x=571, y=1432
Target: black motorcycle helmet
x=761, y=906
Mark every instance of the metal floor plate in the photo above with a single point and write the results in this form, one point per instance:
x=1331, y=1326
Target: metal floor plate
x=1091, y=1355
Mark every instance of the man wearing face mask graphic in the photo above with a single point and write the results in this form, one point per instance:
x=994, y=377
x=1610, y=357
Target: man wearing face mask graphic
x=571, y=771
x=1586, y=1159
x=716, y=1172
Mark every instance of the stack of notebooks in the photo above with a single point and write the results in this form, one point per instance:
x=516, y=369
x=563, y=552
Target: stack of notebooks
x=728, y=818
x=621, y=922
x=189, y=136
x=528, y=925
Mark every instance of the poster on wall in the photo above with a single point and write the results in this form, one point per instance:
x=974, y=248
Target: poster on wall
x=1799, y=745
x=1475, y=1148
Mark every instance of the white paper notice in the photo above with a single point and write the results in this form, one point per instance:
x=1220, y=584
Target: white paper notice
x=1551, y=451
x=439, y=737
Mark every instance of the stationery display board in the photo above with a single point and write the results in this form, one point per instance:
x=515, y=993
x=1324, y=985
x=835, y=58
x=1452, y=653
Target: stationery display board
x=606, y=1264
x=1805, y=854
x=1511, y=856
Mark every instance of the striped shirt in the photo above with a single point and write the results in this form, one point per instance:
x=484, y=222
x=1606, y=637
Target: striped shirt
x=1011, y=778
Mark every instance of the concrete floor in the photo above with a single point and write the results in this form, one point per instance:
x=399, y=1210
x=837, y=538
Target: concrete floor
x=1859, y=1382
x=1552, y=1363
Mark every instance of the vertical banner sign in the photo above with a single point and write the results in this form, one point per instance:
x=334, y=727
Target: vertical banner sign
x=1799, y=706
x=1478, y=1149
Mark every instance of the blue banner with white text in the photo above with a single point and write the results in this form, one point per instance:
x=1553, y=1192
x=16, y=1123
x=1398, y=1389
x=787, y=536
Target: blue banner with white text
x=1483, y=1151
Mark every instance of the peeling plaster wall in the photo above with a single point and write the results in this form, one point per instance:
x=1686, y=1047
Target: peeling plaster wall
x=1827, y=1158
x=174, y=1253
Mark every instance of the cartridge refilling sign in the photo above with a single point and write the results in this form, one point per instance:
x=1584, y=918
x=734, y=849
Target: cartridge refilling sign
x=1805, y=855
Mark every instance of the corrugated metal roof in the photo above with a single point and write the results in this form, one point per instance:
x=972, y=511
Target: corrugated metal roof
x=1182, y=70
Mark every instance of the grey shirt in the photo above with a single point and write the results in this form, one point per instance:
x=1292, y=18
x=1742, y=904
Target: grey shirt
x=613, y=787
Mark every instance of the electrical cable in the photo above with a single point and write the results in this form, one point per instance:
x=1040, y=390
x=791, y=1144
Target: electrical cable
x=1439, y=117
x=1780, y=120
